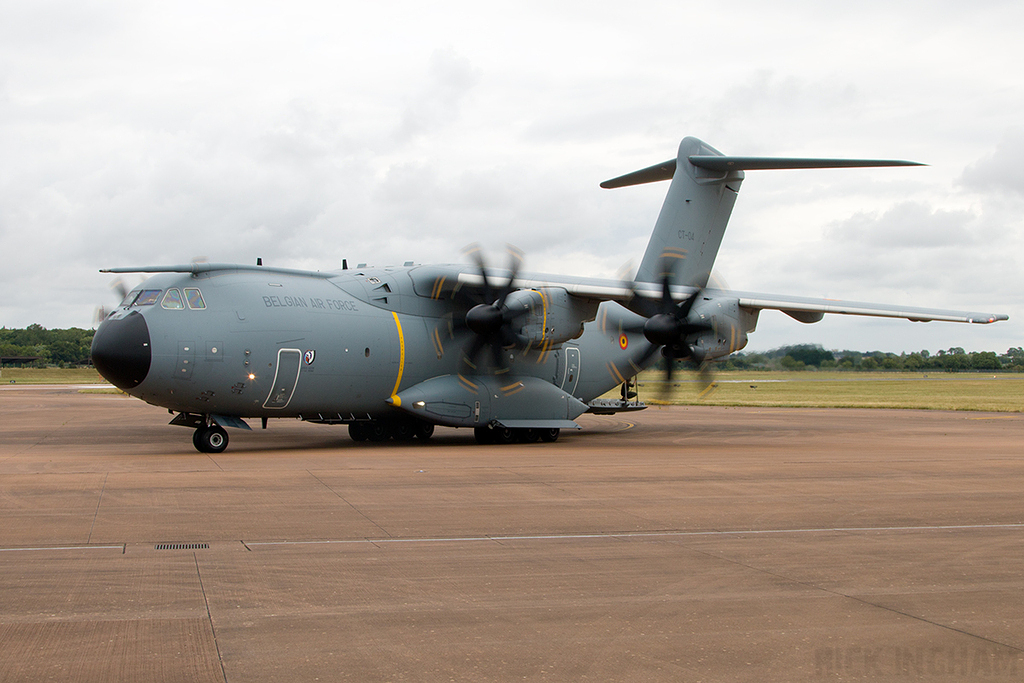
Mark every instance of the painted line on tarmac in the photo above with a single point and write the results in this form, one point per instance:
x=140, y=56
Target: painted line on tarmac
x=67, y=547
x=638, y=534
x=570, y=537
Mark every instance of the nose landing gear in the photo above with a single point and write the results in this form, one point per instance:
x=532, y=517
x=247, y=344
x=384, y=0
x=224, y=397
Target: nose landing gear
x=212, y=439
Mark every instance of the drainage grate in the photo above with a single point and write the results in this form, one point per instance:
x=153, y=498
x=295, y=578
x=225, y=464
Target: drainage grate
x=182, y=546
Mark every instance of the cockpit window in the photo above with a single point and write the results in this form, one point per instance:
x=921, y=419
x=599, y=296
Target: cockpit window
x=148, y=297
x=172, y=299
x=130, y=299
x=195, y=299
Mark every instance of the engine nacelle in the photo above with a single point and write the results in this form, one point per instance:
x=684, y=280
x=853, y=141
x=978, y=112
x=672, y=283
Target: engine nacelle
x=729, y=327
x=551, y=315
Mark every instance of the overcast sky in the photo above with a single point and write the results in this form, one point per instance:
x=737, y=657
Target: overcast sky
x=141, y=133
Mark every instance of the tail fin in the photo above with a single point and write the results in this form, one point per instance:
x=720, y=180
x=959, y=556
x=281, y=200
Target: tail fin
x=693, y=218
x=696, y=211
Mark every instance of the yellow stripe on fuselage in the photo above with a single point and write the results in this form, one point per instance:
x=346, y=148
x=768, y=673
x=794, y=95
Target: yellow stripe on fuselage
x=401, y=354
x=614, y=372
x=544, y=317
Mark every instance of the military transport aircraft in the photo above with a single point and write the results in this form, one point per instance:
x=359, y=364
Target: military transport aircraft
x=391, y=352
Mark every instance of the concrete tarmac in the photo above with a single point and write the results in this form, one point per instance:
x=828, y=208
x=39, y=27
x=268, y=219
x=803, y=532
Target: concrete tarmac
x=698, y=544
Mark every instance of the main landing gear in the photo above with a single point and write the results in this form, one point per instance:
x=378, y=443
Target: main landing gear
x=407, y=430
x=382, y=430
x=503, y=435
x=210, y=439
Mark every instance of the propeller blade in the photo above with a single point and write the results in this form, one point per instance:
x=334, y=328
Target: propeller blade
x=684, y=308
x=651, y=350
x=474, y=253
x=490, y=321
x=508, y=337
x=498, y=355
x=665, y=390
x=99, y=315
x=667, y=304
x=686, y=329
x=119, y=287
x=707, y=380
x=515, y=261
x=445, y=329
x=475, y=347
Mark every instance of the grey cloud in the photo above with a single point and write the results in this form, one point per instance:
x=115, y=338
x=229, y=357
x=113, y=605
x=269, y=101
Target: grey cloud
x=1000, y=171
x=449, y=79
x=908, y=224
x=912, y=253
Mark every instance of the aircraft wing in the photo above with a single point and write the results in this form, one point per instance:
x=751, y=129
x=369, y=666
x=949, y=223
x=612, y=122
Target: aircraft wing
x=811, y=310
x=213, y=267
x=593, y=289
x=804, y=309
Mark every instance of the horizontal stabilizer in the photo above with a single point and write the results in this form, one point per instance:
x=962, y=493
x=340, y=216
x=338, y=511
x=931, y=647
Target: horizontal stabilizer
x=717, y=163
x=652, y=174
x=721, y=164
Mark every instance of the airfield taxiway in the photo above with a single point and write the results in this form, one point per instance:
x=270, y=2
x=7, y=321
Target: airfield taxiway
x=673, y=544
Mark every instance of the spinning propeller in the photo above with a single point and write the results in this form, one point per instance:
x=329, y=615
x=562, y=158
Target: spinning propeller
x=671, y=329
x=118, y=287
x=490, y=320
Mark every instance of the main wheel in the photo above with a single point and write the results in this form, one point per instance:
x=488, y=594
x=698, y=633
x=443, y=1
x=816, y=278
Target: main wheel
x=403, y=430
x=504, y=435
x=357, y=430
x=549, y=435
x=210, y=439
x=484, y=435
x=528, y=435
x=424, y=430
x=377, y=430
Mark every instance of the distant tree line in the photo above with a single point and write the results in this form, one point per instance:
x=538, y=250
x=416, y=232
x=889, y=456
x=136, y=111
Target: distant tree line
x=814, y=357
x=63, y=348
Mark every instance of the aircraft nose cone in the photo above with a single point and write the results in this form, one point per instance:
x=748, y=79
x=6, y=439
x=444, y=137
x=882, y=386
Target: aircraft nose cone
x=121, y=351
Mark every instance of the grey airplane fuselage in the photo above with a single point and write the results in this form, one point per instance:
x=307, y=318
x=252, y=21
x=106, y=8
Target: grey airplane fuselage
x=336, y=346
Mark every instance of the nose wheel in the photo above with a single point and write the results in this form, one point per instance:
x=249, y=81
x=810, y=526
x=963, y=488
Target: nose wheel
x=211, y=439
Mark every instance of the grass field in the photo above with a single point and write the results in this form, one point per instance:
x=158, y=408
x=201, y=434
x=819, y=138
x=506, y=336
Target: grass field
x=929, y=391
x=50, y=376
